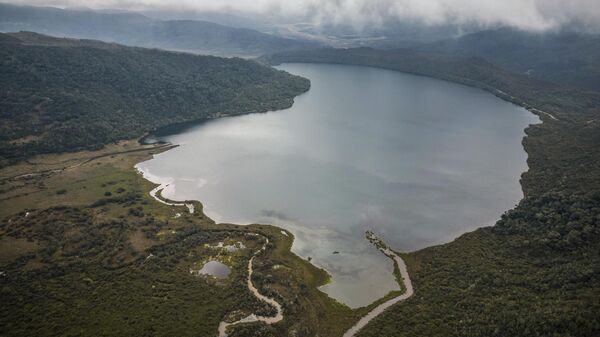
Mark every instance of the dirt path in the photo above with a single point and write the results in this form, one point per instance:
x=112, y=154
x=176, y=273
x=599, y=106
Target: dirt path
x=544, y=113
x=155, y=193
x=534, y=110
x=383, y=306
x=252, y=317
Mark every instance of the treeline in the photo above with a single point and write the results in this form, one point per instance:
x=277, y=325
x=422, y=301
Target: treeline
x=65, y=95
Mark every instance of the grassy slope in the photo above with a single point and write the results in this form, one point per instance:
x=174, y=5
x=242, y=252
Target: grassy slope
x=537, y=272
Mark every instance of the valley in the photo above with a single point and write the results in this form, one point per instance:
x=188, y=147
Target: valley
x=329, y=170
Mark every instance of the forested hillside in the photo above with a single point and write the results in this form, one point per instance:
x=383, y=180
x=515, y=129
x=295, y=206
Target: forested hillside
x=64, y=95
x=568, y=58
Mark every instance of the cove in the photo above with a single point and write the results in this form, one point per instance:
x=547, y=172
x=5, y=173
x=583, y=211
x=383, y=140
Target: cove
x=416, y=160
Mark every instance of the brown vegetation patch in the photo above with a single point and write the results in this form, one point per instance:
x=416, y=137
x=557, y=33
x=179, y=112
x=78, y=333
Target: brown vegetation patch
x=13, y=248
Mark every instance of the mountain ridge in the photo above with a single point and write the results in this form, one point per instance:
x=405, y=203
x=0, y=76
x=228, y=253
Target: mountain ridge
x=134, y=29
x=567, y=57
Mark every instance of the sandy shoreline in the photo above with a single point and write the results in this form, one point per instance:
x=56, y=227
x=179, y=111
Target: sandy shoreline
x=409, y=291
x=155, y=193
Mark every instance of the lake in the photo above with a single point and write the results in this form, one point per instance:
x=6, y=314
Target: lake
x=214, y=268
x=417, y=160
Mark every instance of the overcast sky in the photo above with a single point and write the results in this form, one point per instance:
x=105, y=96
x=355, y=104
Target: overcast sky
x=525, y=14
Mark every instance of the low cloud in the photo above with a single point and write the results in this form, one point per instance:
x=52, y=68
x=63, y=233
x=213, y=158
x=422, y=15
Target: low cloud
x=536, y=15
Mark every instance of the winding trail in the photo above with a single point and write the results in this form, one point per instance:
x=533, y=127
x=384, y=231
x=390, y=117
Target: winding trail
x=544, y=113
x=378, y=310
x=155, y=194
x=252, y=317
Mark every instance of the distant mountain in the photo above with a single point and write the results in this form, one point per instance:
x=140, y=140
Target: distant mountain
x=224, y=18
x=390, y=34
x=567, y=58
x=137, y=30
x=60, y=95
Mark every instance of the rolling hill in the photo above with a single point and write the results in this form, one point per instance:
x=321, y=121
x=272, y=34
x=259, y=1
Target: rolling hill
x=63, y=94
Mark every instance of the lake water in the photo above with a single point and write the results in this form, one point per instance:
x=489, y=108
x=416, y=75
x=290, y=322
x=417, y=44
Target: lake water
x=417, y=160
x=215, y=268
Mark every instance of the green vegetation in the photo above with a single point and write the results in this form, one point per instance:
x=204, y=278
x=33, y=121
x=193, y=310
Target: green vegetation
x=82, y=263
x=66, y=95
x=537, y=271
x=86, y=251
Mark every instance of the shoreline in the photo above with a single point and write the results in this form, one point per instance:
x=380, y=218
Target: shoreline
x=398, y=261
x=252, y=318
x=407, y=284
x=155, y=193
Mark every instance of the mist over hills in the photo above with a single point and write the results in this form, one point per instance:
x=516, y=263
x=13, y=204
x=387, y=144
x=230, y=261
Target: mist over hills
x=216, y=33
x=138, y=30
x=565, y=57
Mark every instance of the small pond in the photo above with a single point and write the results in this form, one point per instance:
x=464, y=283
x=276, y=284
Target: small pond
x=215, y=268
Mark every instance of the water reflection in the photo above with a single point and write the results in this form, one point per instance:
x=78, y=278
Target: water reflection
x=213, y=268
x=417, y=160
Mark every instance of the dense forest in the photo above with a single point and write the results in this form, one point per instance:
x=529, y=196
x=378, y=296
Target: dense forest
x=65, y=95
x=537, y=271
